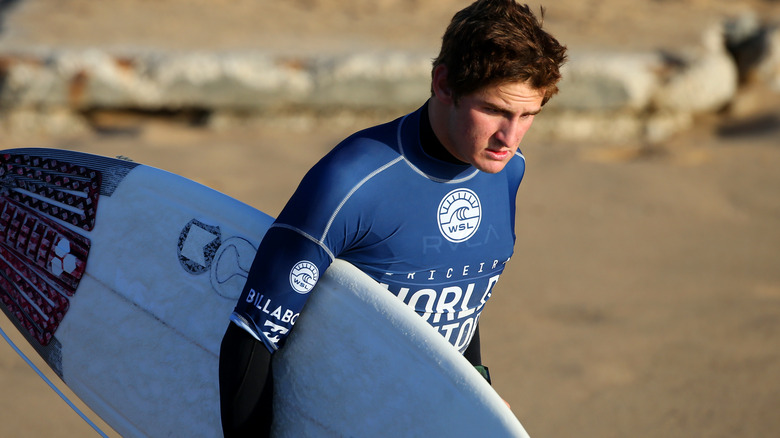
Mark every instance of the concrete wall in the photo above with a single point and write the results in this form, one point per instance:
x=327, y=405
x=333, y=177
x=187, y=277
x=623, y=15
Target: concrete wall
x=604, y=96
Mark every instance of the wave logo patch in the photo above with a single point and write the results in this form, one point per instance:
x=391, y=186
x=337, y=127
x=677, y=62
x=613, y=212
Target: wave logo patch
x=459, y=215
x=304, y=276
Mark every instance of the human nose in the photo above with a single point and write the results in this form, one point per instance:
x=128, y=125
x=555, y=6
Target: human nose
x=511, y=133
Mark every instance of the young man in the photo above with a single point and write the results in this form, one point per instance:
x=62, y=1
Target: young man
x=425, y=204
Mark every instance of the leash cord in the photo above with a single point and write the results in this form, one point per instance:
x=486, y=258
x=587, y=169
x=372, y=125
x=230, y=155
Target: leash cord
x=51, y=384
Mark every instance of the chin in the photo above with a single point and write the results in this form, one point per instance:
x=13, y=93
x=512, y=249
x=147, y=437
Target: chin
x=491, y=167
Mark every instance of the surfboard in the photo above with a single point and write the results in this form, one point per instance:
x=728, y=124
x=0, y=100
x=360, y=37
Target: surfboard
x=122, y=277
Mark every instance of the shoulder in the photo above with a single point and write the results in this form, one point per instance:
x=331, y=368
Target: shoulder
x=336, y=175
x=359, y=155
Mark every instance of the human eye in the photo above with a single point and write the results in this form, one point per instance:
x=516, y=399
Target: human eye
x=529, y=115
x=496, y=111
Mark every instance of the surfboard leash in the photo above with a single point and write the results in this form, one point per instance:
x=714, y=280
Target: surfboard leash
x=51, y=384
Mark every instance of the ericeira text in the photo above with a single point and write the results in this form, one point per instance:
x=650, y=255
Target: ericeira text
x=450, y=272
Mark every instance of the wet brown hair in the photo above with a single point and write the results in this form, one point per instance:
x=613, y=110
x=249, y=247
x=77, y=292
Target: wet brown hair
x=495, y=41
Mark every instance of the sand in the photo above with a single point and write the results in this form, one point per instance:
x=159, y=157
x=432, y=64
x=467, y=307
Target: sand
x=643, y=299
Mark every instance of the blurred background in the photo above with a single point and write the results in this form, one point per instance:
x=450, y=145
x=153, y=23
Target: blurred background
x=644, y=295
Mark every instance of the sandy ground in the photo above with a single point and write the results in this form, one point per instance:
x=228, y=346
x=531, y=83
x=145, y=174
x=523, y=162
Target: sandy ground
x=644, y=296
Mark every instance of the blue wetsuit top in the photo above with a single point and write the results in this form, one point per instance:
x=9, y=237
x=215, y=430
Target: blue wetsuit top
x=434, y=233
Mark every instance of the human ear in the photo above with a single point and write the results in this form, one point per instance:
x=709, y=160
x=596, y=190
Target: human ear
x=440, y=86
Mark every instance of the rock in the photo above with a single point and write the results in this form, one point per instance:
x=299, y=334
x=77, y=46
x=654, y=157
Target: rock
x=52, y=121
x=244, y=81
x=699, y=79
x=607, y=82
x=28, y=81
x=151, y=81
x=604, y=96
x=372, y=80
x=768, y=67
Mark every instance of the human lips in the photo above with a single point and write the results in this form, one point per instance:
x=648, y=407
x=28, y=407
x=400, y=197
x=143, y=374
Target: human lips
x=498, y=154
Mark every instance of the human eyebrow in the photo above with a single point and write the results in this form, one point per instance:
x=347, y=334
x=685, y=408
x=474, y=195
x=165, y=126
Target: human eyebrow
x=493, y=107
x=508, y=112
x=498, y=109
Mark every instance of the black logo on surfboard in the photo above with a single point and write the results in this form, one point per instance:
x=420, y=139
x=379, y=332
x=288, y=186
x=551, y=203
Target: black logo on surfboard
x=198, y=243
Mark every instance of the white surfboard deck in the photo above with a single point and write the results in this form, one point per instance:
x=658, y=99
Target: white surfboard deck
x=131, y=314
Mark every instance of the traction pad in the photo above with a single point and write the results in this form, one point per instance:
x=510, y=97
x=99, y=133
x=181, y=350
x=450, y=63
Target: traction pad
x=42, y=261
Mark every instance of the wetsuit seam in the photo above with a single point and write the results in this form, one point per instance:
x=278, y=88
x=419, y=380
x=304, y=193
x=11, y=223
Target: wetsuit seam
x=352, y=192
x=306, y=235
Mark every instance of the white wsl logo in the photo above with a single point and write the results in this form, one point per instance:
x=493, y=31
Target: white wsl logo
x=304, y=276
x=459, y=215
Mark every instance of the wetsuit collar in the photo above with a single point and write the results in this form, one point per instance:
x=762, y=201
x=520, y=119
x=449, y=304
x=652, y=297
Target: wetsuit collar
x=430, y=143
x=425, y=152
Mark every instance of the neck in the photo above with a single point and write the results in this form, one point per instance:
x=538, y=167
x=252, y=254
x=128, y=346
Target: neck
x=432, y=132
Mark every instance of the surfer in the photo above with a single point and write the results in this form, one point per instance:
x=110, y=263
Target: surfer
x=424, y=204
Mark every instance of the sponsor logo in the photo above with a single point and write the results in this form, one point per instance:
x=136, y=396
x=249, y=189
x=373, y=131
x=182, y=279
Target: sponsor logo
x=198, y=242
x=273, y=332
x=202, y=249
x=230, y=266
x=304, y=276
x=459, y=215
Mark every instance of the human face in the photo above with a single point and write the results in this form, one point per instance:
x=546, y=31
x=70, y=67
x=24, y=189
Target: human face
x=485, y=128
